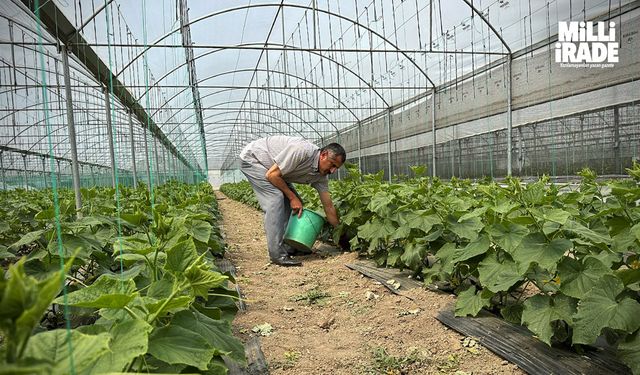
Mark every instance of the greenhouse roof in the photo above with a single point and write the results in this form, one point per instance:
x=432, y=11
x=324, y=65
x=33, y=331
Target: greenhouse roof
x=206, y=77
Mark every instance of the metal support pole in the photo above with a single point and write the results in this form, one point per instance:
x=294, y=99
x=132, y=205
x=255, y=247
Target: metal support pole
x=156, y=160
x=4, y=182
x=164, y=163
x=133, y=152
x=509, y=114
x=459, y=141
x=26, y=177
x=175, y=167
x=616, y=140
x=388, y=121
x=58, y=173
x=75, y=173
x=93, y=176
x=107, y=104
x=146, y=153
x=360, y=148
x=433, y=130
x=44, y=173
x=338, y=141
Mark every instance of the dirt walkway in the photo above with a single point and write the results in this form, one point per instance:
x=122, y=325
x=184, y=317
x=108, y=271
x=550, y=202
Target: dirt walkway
x=328, y=319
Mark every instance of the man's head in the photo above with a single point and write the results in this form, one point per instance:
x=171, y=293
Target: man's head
x=332, y=156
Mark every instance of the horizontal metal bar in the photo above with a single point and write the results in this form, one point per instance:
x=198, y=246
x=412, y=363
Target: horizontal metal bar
x=261, y=48
x=115, y=87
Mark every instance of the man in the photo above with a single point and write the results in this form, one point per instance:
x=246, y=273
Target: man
x=271, y=165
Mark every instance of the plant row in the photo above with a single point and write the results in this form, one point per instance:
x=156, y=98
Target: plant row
x=128, y=285
x=564, y=260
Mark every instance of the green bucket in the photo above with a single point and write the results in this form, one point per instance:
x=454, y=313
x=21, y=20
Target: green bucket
x=302, y=231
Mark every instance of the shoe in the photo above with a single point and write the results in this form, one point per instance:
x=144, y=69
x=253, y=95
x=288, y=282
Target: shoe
x=286, y=261
x=296, y=252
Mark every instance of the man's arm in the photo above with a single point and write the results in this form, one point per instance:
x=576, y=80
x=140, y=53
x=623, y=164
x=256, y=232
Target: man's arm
x=329, y=209
x=274, y=175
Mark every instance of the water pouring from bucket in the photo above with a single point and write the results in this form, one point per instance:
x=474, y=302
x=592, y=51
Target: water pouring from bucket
x=302, y=232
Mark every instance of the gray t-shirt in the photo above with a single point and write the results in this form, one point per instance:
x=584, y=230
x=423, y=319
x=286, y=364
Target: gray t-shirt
x=296, y=158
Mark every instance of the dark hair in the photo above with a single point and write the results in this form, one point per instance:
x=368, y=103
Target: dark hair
x=336, y=150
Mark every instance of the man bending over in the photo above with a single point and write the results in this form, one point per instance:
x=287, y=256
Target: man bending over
x=271, y=165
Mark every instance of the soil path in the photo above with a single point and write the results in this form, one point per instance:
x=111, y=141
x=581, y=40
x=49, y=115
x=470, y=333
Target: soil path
x=328, y=319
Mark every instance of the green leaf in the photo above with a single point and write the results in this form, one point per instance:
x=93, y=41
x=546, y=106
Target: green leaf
x=475, y=213
x=587, y=234
x=201, y=230
x=137, y=244
x=413, y=254
x=474, y=248
x=468, y=229
x=418, y=219
x=600, y=308
x=160, y=307
x=556, y=215
x=624, y=241
x=508, y=235
x=470, y=303
x=629, y=352
x=216, y=332
x=534, y=193
x=504, y=206
x=636, y=231
x=53, y=346
x=181, y=256
x=578, y=277
x=376, y=229
x=445, y=255
x=105, y=292
x=535, y=249
x=380, y=204
x=512, y=313
x=498, y=276
x=129, y=340
x=135, y=219
x=540, y=311
x=23, y=302
x=28, y=238
x=201, y=278
x=177, y=345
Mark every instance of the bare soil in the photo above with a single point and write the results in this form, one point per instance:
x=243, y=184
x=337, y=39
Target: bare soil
x=328, y=319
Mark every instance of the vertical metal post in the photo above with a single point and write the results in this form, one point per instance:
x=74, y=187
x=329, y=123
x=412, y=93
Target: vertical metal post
x=4, y=182
x=44, y=173
x=459, y=141
x=388, y=121
x=93, y=176
x=338, y=141
x=112, y=155
x=509, y=114
x=156, y=160
x=146, y=153
x=164, y=163
x=315, y=31
x=360, y=148
x=26, y=177
x=616, y=140
x=75, y=173
x=58, y=173
x=175, y=167
x=433, y=131
x=133, y=152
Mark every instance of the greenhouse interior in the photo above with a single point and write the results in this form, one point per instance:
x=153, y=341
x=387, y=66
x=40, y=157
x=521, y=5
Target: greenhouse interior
x=488, y=189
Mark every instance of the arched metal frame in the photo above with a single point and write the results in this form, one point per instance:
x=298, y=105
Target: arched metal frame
x=266, y=45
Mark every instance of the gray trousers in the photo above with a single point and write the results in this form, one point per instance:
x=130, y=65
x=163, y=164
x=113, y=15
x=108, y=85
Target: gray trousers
x=275, y=205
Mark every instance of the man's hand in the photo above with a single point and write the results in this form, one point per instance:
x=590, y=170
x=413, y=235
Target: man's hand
x=274, y=175
x=296, y=206
x=329, y=209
